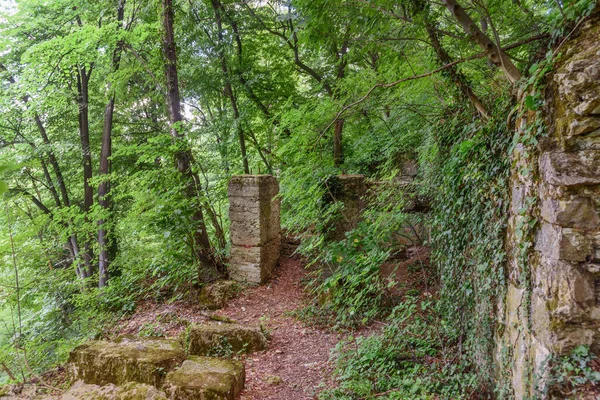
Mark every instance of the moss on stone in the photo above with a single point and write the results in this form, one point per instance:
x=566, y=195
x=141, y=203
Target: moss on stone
x=143, y=361
x=217, y=294
x=129, y=391
x=203, y=339
x=206, y=378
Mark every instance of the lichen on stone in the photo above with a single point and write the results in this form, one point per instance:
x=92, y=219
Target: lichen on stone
x=217, y=294
x=206, y=378
x=141, y=360
x=201, y=340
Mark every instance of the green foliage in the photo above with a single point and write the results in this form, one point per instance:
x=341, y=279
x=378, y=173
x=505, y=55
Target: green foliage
x=348, y=281
x=414, y=357
x=469, y=171
x=222, y=349
x=291, y=67
x=574, y=373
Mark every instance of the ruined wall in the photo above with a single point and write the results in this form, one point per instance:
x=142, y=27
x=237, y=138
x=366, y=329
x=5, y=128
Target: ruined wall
x=255, y=227
x=350, y=191
x=552, y=301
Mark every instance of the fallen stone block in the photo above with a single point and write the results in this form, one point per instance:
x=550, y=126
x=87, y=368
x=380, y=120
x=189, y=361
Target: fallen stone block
x=217, y=294
x=206, y=378
x=129, y=391
x=224, y=340
x=127, y=360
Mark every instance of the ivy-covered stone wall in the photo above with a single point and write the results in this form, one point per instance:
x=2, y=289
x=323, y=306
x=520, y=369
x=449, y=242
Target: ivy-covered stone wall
x=552, y=303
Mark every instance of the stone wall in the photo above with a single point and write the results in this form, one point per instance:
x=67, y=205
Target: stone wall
x=552, y=302
x=255, y=228
x=350, y=190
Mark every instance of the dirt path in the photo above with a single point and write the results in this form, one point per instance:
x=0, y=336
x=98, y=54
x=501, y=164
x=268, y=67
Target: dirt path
x=297, y=354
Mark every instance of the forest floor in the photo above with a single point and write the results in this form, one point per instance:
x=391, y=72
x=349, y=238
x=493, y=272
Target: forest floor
x=297, y=363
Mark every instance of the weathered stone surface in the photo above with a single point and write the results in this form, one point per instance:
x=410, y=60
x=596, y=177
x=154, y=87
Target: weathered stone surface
x=206, y=378
x=210, y=339
x=571, y=169
x=144, y=361
x=255, y=227
x=254, y=264
x=563, y=243
x=583, y=126
x=217, y=294
x=129, y=391
x=578, y=212
x=562, y=310
x=578, y=79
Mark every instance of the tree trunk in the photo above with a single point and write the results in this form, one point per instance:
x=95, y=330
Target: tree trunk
x=492, y=50
x=72, y=245
x=338, y=153
x=453, y=73
x=250, y=92
x=183, y=159
x=84, y=135
x=228, y=90
x=104, y=170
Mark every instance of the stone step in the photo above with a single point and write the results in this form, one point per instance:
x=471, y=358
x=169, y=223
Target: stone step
x=223, y=340
x=206, y=378
x=129, y=391
x=127, y=360
x=217, y=294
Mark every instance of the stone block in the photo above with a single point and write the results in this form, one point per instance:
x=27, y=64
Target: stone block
x=217, y=294
x=213, y=339
x=127, y=360
x=129, y=391
x=571, y=169
x=559, y=243
x=582, y=126
x=253, y=186
x=254, y=264
x=578, y=213
x=206, y=378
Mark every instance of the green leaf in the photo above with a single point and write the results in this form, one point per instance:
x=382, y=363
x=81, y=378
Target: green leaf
x=530, y=102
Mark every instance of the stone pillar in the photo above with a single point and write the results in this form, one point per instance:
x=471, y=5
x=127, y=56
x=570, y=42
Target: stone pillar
x=350, y=191
x=255, y=230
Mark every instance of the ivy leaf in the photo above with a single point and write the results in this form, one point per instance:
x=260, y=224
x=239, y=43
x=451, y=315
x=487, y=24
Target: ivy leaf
x=530, y=102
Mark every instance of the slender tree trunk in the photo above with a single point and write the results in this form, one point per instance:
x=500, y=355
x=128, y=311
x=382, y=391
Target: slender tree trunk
x=72, y=245
x=338, y=152
x=338, y=149
x=104, y=170
x=250, y=92
x=453, y=73
x=228, y=90
x=84, y=135
x=492, y=50
x=183, y=159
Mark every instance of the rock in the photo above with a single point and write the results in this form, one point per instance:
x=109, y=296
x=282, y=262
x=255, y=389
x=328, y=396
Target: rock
x=144, y=361
x=224, y=339
x=273, y=380
x=578, y=212
x=583, y=126
x=206, y=378
x=217, y=294
x=129, y=391
x=571, y=169
x=563, y=243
